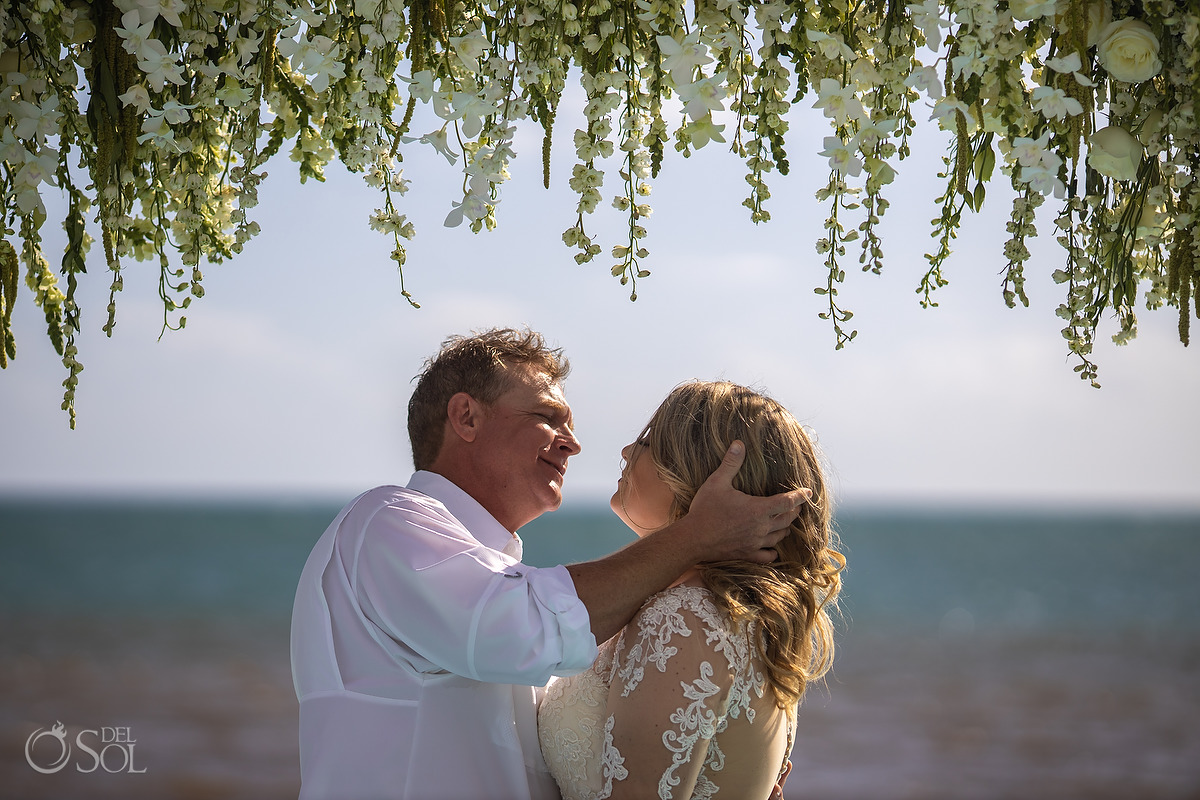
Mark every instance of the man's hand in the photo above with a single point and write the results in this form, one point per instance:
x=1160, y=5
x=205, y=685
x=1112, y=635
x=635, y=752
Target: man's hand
x=722, y=524
x=733, y=525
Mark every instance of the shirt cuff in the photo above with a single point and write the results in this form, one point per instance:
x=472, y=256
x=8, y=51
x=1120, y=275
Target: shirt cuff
x=555, y=590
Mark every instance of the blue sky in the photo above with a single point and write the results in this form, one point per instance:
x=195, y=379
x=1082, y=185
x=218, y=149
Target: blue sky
x=293, y=372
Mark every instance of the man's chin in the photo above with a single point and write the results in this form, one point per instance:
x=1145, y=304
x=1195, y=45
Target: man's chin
x=553, y=499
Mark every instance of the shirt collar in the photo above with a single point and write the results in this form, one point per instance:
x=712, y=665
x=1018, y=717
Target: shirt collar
x=466, y=509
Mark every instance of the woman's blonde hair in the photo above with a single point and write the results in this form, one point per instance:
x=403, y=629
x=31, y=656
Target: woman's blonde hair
x=789, y=601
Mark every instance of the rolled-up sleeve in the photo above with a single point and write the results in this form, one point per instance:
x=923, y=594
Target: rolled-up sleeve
x=450, y=604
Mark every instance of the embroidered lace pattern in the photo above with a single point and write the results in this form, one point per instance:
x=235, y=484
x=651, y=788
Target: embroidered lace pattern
x=576, y=722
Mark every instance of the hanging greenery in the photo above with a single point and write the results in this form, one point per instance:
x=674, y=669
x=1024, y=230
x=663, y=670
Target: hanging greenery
x=154, y=118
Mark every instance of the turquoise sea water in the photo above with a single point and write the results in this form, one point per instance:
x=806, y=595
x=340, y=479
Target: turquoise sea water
x=1060, y=571
x=985, y=656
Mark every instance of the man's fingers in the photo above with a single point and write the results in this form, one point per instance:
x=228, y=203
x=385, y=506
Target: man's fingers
x=730, y=464
x=799, y=497
x=767, y=555
x=794, y=500
x=775, y=537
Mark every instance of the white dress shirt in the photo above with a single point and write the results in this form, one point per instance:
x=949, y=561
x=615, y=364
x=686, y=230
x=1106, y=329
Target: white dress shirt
x=418, y=637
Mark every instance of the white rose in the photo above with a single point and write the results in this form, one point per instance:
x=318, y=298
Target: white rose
x=1026, y=10
x=1128, y=50
x=1113, y=151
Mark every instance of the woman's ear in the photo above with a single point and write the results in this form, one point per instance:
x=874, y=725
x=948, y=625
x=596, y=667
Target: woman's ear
x=465, y=415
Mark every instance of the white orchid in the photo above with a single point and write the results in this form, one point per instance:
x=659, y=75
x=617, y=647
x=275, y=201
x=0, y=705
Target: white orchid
x=839, y=103
x=927, y=16
x=1029, y=152
x=439, y=140
x=391, y=222
x=470, y=49
x=157, y=131
x=173, y=112
x=475, y=204
x=704, y=96
x=160, y=66
x=1073, y=64
x=324, y=68
x=969, y=64
x=421, y=85
x=946, y=111
x=471, y=109
x=704, y=130
x=36, y=121
x=1053, y=103
x=233, y=95
x=137, y=96
x=149, y=10
x=831, y=45
x=134, y=33
x=37, y=169
x=841, y=157
x=925, y=79
x=681, y=58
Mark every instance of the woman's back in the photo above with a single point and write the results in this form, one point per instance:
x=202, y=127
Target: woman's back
x=676, y=706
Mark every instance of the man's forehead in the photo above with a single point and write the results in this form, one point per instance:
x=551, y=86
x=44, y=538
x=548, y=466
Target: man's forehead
x=551, y=391
x=545, y=386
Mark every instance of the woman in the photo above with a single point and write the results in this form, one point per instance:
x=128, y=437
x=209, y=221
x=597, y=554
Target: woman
x=699, y=692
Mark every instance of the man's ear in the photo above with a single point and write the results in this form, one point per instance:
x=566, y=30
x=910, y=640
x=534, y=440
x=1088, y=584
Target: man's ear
x=465, y=415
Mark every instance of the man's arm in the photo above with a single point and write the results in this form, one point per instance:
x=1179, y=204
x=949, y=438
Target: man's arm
x=722, y=523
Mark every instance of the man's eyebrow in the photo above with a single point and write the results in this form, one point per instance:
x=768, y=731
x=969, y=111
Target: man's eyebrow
x=559, y=407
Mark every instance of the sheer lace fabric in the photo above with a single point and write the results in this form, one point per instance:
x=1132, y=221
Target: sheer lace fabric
x=676, y=706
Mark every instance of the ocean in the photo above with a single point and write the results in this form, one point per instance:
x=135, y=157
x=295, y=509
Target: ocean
x=980, y=655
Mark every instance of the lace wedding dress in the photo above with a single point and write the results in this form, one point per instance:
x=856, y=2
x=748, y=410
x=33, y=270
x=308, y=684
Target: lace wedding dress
x=676, y=706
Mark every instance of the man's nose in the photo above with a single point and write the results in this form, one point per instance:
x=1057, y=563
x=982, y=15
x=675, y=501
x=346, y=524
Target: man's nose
x=568, y=442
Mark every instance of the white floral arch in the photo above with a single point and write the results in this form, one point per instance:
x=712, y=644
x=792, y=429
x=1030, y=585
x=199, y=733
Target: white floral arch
x=155, y=117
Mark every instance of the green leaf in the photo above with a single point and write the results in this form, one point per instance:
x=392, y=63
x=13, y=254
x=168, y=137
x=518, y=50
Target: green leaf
x=985, y=162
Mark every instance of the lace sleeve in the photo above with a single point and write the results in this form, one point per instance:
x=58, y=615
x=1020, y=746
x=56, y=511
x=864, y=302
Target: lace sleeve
x=668, y=698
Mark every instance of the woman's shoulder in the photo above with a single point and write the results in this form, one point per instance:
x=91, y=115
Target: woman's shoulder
x=682, y=618
x=680, y=624
x=679, y=608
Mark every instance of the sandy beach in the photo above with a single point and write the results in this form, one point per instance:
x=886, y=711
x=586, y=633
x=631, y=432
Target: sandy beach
x=209, y=704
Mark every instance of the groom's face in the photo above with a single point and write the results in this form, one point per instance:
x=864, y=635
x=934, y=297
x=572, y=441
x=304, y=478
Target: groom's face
x=525, y=443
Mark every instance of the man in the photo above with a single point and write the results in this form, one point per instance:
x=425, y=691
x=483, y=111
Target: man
x=418, y=635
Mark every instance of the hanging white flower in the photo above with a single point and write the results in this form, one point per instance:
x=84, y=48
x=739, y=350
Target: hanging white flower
x=1128, y=50
x=841, y=157
x=839, y=103
x=198, y=93
x=1053, y=103
x=1115, y=152
x=681, y=58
